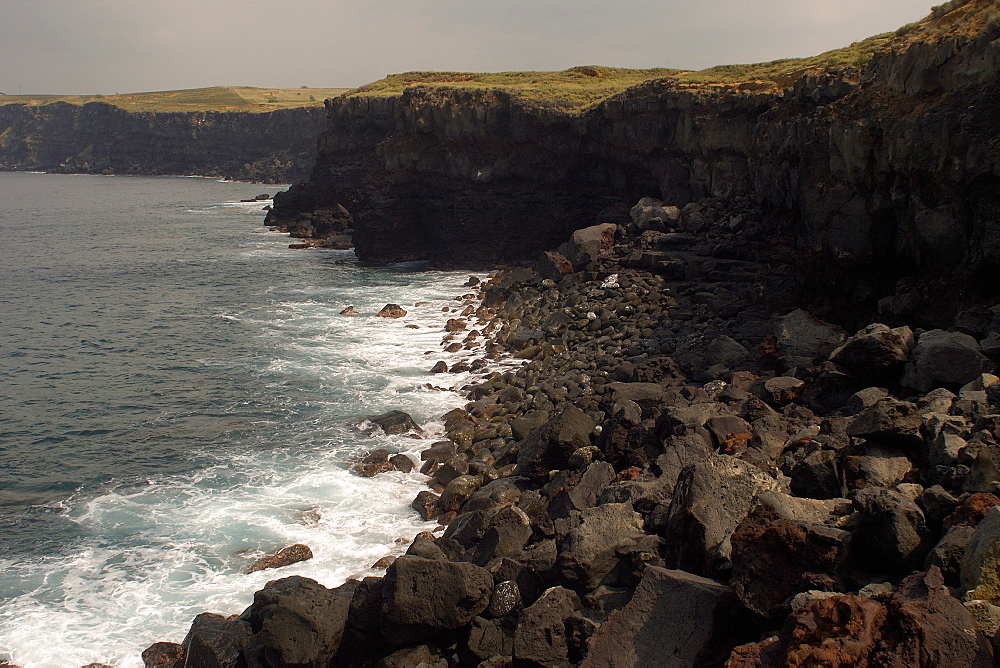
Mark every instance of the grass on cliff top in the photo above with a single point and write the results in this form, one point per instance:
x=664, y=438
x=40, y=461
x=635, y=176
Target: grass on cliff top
x=580, y=88
x=218, y=98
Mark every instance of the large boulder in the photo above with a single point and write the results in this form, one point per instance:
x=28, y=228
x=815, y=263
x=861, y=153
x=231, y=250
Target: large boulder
x=589, y=551
x=297, y=622
x=891, y=530
x=922, y=625
x=549, y=446
x=876, y=354
x=542, y=637
x=395, y=422
x=776, y=557
x=674, y=619
x=889, y=421
x=945, y=359
x=217, y=641
x=421, y=598
x=711, y=498
x=589, y=243
x=802, y=338
x=981, y=563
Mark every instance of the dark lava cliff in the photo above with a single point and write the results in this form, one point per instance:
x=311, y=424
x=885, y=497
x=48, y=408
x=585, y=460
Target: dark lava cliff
x=100, y=138
x=894, y=168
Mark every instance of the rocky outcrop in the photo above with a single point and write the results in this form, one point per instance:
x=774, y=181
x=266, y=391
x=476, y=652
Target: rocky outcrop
x=893, y=167
x=100, y=138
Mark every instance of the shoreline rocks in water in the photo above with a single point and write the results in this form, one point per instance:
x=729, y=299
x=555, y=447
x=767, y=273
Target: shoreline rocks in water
x=696, y=462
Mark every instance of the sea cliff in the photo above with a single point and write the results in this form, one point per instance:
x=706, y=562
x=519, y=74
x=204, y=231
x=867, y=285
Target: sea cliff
x=893, y=165
x=100, y=138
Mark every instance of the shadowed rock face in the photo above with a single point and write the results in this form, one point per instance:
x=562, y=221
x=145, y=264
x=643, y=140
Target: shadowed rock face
x=97, y=137
x=890, y=163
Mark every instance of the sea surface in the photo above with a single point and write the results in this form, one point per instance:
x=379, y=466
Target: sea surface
x=178, y=395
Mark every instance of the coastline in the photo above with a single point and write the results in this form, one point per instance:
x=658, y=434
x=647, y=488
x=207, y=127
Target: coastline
x=686, y=448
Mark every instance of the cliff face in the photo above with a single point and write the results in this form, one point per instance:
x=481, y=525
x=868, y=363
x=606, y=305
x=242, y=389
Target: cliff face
x=96, y=137
x=896, y=166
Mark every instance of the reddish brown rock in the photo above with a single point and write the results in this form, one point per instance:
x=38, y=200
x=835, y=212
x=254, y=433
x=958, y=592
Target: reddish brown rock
x=162, y=655
x=972, y=510
x=349, y=311
x=454, y=325
x=391, y=311
x=285, y=557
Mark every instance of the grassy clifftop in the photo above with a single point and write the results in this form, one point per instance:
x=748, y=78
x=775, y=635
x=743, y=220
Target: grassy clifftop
x=579, y=88
x=218, y=98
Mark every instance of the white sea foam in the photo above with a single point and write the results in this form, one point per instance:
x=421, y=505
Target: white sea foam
x=153, y=553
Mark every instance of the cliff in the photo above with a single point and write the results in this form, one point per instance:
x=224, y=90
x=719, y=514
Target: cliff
x=892, y=166
x=100, y=138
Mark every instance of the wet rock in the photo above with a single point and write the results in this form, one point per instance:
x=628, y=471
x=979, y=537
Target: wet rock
x=401, y=462
x=439, y=367
x=297, y=622
x=391, y=311
x=285, y=557
x=349, y=311
x=164, y=655
x=588, y=553
x=455, y=325
x=421, y=598
x=541, y=636
x=395, y=422
x=945, y=359
x=458, y=491
x=373, y=463
x=710, y=500
x=216, y=640
x=426, y=506
x=876, y=354
x=674, y=618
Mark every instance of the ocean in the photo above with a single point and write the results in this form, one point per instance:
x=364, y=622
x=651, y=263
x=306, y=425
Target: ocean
x=179, y=395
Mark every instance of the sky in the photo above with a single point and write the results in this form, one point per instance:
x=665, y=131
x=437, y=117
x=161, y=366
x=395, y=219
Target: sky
x=122, y=46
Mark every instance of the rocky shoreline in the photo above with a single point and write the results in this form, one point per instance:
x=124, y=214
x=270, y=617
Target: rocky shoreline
x=688, y=468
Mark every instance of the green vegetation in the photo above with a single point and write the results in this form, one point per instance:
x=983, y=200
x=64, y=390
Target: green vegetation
x=219, y=98
x=580, y=88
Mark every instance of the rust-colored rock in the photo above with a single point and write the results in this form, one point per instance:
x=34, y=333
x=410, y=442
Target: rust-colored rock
x=972, y=510
x=391, y=311
x=285, y=557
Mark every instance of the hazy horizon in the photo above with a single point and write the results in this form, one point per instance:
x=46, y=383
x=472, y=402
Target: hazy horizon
x=106, y=47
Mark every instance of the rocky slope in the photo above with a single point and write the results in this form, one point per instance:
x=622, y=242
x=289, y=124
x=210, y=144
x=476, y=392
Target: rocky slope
x=893, y=168
x=679, y=468
x=99, y=138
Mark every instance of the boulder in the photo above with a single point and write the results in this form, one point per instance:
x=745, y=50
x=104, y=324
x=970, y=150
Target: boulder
x=890, y=421
x=553, y=265
x=297, y=622
x=891, y=530
x=674, y=619
x=775, y=558
x=803, y=338
x=163, y=655
x=876, y=354
x=981, y=562
x=589, y=552
x=549, y=446
x=395, y=422
x=507, y=534
x=783, y=390
x=426, y=506
x=373, y=463
x=711, y=498
x=818, y=475
x=945, y=359
x=401, y=462
x=458, y=491
x=541, y=637
x=421, y=598
x=284, y=557
x=217, y=641
x=949, y=552
x=589, y=243
x=921, y=625
x=391, y=311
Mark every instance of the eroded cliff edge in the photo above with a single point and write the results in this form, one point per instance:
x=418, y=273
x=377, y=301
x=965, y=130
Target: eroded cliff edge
x=893, y=168
x=99, y=138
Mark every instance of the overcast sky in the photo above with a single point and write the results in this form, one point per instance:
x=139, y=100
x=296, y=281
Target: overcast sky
x=119, y=46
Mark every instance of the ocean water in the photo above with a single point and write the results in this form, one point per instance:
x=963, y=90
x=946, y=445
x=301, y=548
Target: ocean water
x=178, y=394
